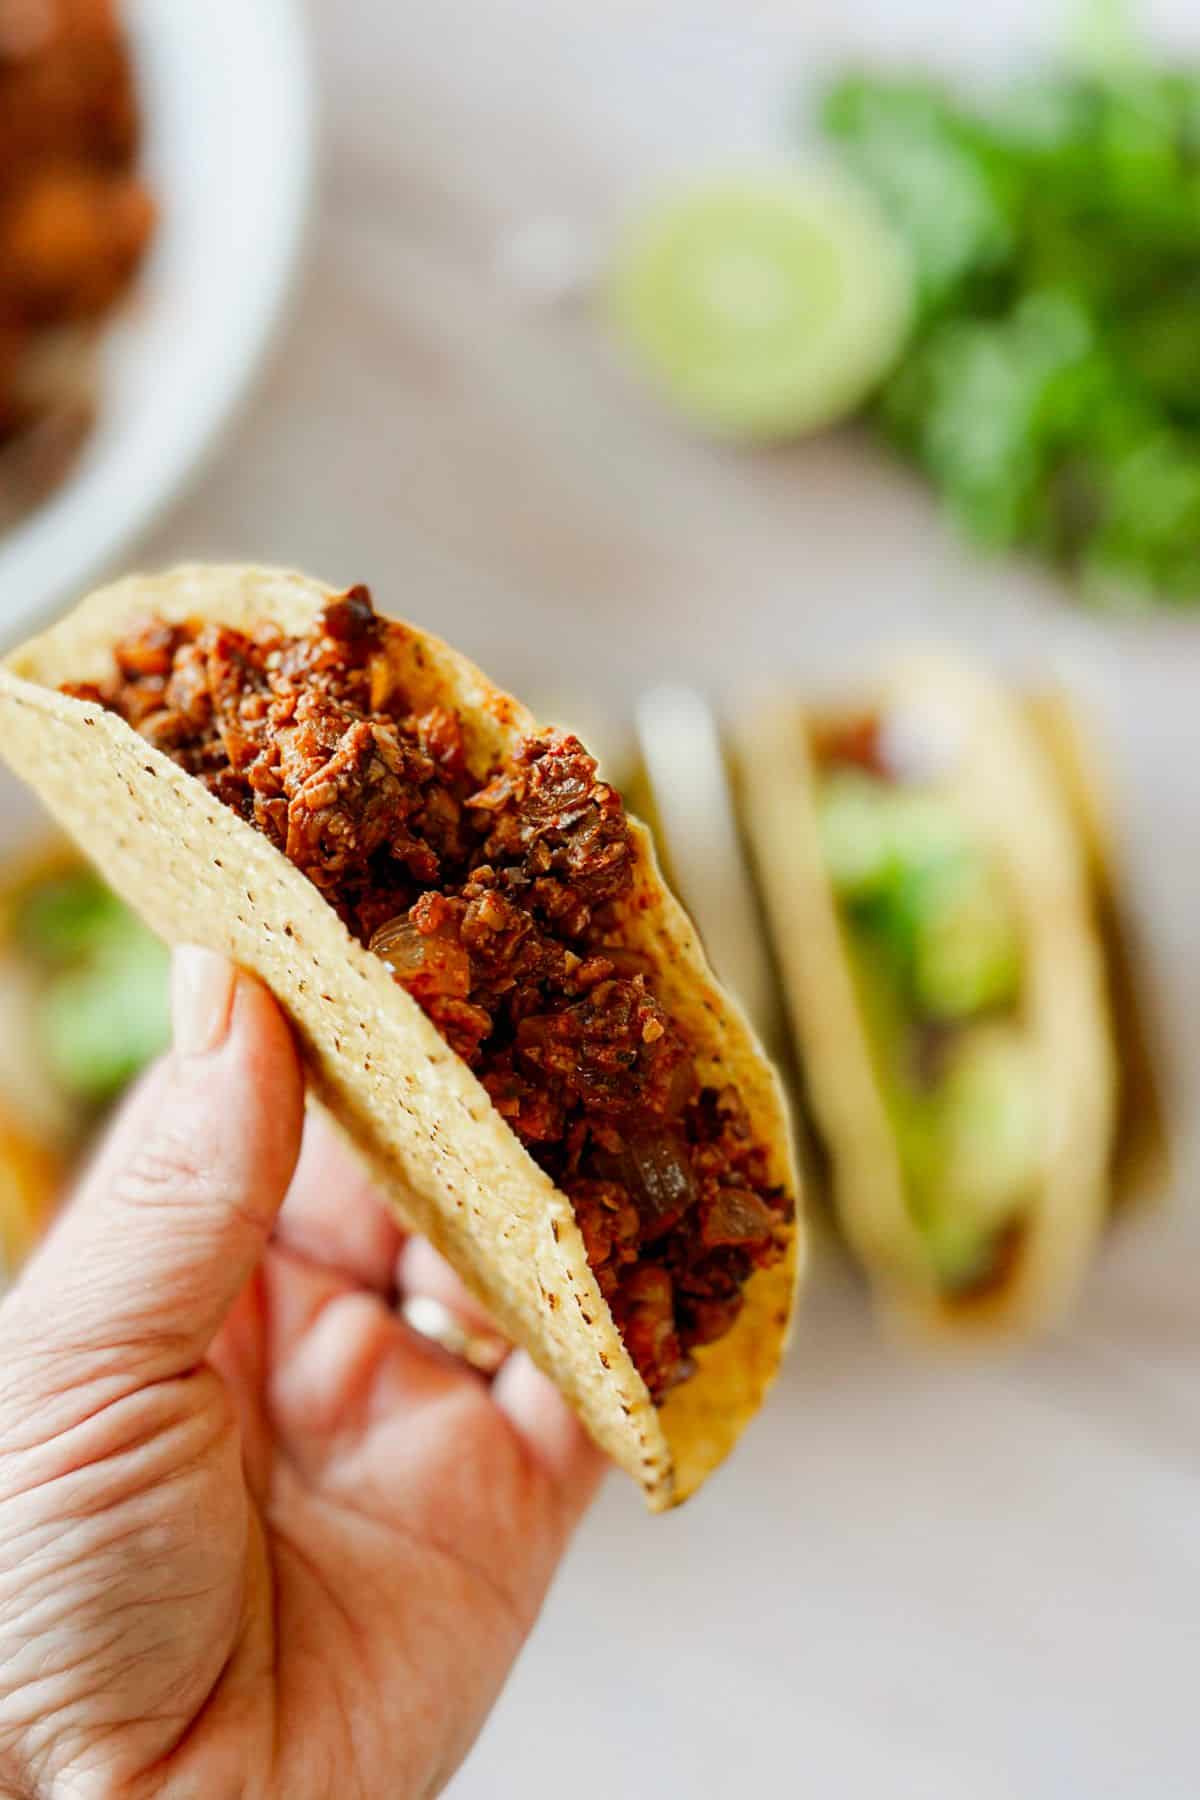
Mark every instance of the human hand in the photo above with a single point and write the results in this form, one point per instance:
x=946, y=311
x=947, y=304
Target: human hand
x=257, y=1538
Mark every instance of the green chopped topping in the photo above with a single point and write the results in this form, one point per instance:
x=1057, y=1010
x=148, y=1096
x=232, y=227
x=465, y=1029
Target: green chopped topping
x=988, y=1124
x=936, y=952
x=876, y=835
x=966, y=953
x=988, y=1137
x=856, y=833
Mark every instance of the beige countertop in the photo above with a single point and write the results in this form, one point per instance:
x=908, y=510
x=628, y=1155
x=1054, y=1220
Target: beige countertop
x=920, y=1580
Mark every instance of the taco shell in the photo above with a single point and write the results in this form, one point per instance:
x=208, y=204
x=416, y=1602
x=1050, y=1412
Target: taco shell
x=1000, y=781
x=1141, y=1155
x=435, y=1145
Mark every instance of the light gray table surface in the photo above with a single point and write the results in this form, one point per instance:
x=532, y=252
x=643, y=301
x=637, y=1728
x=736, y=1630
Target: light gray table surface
x=967, y=1581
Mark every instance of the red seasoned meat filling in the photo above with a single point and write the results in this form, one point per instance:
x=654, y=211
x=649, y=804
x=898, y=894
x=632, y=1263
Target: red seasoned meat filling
x=493, y=904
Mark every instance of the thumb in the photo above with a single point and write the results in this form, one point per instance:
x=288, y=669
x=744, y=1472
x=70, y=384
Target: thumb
x=171, y=1219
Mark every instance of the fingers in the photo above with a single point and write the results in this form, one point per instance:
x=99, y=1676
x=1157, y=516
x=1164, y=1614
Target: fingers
x=551, y=1433
x=420, y=1270
x=174, y=1213
x=335, y=1347
x=333, y=1218
x=332, y=1214
x=342, y=1364
x=530, y=1401
x=347, y=1366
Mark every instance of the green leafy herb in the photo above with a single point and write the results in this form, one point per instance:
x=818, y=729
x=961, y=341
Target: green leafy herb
x=1051, y=388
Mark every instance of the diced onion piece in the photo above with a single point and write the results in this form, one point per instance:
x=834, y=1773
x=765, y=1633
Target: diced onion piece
x=427, y=963
x=658, y=1174
x=736, y=1217
x=400, y=945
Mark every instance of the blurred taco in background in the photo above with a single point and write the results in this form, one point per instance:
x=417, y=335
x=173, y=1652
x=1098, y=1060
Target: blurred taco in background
x=83, y=1007
x=497, y=996
x=934, y=903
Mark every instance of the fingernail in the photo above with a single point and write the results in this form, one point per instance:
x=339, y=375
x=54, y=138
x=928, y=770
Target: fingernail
x=202, y=985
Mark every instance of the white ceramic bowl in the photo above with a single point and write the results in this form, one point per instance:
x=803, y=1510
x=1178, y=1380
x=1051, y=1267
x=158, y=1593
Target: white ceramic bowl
x=228, y=117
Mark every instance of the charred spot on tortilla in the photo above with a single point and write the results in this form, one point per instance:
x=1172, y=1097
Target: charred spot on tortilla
x=493, y=897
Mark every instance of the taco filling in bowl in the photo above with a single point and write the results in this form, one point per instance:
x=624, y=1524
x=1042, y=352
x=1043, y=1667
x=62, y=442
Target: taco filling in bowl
x=935, y=946
x=495, y=903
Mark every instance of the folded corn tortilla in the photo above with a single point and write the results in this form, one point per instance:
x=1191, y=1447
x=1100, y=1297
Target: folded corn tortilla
x=1002, y=784
x=1141, y=1155
x=438, y=1149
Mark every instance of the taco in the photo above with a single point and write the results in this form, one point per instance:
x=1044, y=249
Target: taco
x=929, y=893
x=497, y=997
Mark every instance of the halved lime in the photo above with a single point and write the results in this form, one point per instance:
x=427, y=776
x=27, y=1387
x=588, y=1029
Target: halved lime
x=765, y=304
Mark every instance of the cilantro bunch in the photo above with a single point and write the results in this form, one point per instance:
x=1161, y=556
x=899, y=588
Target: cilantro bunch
x=1051, y=387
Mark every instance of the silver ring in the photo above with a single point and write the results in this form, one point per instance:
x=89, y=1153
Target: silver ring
x=431, y=1319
